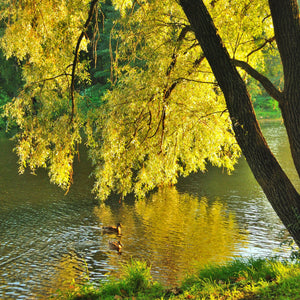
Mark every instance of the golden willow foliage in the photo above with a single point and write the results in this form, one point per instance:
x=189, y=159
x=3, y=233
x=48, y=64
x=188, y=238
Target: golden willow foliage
x=43, y=36
x=165, y=115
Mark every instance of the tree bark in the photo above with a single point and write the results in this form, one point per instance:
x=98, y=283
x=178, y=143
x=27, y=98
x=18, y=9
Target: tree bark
x=286, y=21
x=274, y=182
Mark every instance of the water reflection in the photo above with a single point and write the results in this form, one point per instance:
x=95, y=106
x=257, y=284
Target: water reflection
x=47, y=239
x=175, y=232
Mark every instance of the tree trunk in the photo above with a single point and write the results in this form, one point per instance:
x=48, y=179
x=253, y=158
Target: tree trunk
x=274, y=182
x=286, y=20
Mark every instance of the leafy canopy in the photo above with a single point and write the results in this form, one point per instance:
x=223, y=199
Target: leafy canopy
x=164, y=115
x=43, y=36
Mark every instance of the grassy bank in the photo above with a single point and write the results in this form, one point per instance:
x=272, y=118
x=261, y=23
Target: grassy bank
x=239, y=279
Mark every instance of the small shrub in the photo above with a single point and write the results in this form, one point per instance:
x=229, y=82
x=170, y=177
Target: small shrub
x=137, y=276
x=136, y=282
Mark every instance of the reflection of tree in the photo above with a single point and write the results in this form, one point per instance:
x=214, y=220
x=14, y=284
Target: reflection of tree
x=185, y=231
x=69, y=268
x=175, y=232
x=123, y=214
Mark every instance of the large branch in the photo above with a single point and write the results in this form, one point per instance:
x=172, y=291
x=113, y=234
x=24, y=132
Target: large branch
x=182, y=35
x=265, y=82
x=76, y=54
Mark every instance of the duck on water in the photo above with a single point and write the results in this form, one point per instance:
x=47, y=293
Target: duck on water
x=117, y=245
x=112, y=229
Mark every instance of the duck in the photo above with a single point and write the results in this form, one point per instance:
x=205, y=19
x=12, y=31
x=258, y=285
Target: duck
x=116, y=245
x=112, y=229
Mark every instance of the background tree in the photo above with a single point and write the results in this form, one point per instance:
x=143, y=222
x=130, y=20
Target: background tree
x=101, y=52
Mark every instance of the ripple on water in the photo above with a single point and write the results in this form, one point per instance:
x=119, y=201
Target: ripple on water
x=47, y=238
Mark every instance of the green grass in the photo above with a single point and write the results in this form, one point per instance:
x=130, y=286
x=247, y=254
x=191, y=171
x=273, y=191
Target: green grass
x=246, y=279
x=136, y=282
x=239, y=279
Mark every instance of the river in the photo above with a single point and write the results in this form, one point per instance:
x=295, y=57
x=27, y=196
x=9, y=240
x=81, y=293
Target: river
x=48, y=239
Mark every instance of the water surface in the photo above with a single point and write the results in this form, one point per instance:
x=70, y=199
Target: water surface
x=47, y=239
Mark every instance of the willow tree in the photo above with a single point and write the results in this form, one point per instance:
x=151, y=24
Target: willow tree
x=177, y=100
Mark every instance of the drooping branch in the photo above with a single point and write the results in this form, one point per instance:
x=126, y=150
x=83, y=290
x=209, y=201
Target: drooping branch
x=214, y=83
x=167, y=91
x=265, y=82
x=47, y=79
x=76, y=54
x=268, y=41
x=181, y=36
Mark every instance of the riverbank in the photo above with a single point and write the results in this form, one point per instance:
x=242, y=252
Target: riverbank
x=239, y=279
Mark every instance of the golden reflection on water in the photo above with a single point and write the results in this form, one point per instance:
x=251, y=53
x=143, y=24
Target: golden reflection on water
x=176, y=233
x=68, y=270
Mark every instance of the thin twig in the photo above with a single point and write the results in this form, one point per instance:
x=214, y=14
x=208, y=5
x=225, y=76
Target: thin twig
x=48, y=79
x=268, y=41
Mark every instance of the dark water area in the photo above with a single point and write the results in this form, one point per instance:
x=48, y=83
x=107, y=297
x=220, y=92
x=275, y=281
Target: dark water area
x=48, y=239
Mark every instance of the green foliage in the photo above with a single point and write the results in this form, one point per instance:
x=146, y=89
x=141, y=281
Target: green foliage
x=137, y=276
x=10, y=75
x=253, y=278
x=239, y=279
x=136, y=282
x=101, y=53
x=105, y=49
x=265, y=103
x=10, y=82
x=265, y=106
x=43, y=36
